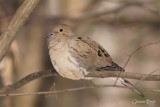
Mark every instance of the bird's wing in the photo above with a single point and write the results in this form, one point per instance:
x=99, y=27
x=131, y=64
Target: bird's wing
x=91, y=55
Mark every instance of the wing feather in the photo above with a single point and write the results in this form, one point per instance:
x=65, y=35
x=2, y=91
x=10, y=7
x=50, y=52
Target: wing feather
x=88, y=53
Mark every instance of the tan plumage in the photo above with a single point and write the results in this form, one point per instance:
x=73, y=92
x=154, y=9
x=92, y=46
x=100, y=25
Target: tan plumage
x=74, y=56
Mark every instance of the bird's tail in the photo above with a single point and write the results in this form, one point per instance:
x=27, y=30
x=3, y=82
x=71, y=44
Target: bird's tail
x=131, y=86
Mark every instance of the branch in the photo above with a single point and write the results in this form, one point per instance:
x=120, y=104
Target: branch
x=97, y=74
x=17, y=21
x=137, y=76
x=60, y=91
x=27, y=79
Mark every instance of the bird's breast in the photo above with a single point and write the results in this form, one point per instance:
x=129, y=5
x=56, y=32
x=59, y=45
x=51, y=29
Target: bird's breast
x=65, y=64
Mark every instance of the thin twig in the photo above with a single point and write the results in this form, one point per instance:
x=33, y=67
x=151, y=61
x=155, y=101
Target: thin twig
x=139, y=48
x=60, y=91
x=129, y=58
x=117, y=78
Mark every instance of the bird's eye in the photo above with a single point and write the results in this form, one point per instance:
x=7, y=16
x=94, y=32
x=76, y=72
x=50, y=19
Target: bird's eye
x=61, y=30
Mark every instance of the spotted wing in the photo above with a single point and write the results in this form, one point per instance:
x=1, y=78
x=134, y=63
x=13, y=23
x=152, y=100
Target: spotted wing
x=91, y=55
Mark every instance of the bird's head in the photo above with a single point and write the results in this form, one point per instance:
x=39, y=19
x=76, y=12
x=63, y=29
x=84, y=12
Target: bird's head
x=61, y=30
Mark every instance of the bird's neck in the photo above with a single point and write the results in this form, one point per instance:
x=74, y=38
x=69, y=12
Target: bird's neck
x=58, y=42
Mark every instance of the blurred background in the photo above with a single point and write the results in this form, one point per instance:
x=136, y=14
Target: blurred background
x=120, y=26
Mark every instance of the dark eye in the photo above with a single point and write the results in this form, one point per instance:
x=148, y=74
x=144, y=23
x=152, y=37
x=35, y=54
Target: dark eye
x=61, y=30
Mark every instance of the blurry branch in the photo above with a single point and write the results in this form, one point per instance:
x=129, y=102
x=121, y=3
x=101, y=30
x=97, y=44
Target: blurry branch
x=147, y=76
x=156, y=90
x=27, y=79
x=97, y=74
x=17, y=21
x=105, y=16
x=96, y=16
x=91, y=5
x=113, y=16
x=132, y=1
x=60, y=91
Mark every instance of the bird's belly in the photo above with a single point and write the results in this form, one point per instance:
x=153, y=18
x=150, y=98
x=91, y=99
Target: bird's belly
x=67, y=66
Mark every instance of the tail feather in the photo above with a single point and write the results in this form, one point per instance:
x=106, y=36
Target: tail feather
x=116, y=67
x=132, y=87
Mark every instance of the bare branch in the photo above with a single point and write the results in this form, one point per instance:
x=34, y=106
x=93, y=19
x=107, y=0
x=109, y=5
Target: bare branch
x=131, y=1
x=97, y=74
x=17, y=21
x=27, y=79
x=60, y=91
x=129, y=75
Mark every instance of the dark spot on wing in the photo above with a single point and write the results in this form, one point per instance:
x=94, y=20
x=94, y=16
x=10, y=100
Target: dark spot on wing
x=99, y=53
x=103, y=51
x=80, y=38
x=106, y=55
x=87, y=52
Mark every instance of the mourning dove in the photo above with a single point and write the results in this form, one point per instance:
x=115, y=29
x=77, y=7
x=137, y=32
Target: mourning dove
x=74, y=57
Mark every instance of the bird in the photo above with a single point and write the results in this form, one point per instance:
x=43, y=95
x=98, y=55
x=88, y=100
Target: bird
x=74, y=56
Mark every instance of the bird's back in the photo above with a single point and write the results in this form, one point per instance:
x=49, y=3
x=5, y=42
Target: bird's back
x=90, y=55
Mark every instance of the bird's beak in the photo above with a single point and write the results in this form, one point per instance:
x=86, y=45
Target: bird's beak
x=50, y=35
